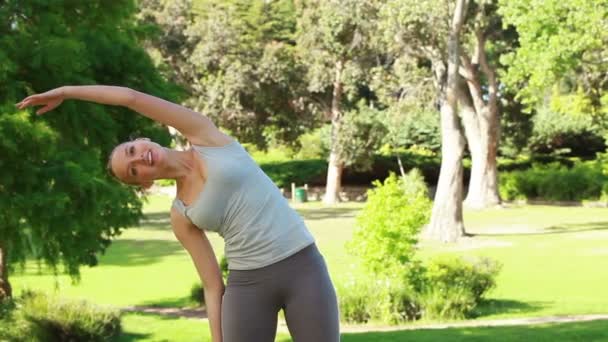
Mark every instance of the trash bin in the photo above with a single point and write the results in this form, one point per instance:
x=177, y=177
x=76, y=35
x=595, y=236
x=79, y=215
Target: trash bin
x=301, y=195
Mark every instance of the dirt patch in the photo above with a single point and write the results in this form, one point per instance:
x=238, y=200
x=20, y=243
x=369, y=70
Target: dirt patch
x=200, y=313
x=196, y=313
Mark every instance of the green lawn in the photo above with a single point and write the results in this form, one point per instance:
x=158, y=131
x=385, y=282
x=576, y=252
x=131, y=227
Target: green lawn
x=554, y=261
x=154, y=328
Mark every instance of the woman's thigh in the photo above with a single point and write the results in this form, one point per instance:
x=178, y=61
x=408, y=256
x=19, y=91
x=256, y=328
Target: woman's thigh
x=311, y=307
x=249, y=313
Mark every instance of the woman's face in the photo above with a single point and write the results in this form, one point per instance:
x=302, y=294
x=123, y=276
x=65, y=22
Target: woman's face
x=138, y=162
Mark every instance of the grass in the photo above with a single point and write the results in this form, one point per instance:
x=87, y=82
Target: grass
x=154, y=328
x=553, y=264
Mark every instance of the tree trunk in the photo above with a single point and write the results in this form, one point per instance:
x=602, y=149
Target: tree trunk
x=483, y=183
x=480, y=117
x=446, y=218
x=481, y=130
x=5, y=286
x=336, y=165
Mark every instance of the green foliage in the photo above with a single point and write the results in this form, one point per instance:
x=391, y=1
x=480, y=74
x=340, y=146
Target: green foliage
x=556, y=37
x=245, y=74
x=444, y=288
x=388, y=225
x=418, y=129
x=571, y=133
x=38, y=317
x=454, y=287
x=335, y=31
x=373, y=300
x=296, y=171
x=57, y=204
x=360, y=134
x=197, y=293
x=583, y=181
x=283, y=170
x=315, y=144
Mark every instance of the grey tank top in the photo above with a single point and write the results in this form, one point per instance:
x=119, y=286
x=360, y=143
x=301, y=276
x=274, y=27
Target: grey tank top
x=242, y=204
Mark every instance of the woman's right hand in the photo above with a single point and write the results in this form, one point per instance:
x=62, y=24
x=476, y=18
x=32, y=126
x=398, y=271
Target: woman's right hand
x=50, y=100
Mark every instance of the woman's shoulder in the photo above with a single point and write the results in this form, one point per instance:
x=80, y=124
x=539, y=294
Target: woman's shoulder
x=218, y=139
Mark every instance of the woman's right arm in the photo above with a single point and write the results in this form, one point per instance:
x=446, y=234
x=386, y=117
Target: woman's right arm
x=196, y=243
x=197, y=128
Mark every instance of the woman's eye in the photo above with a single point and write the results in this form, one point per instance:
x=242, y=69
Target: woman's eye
x=132, y=150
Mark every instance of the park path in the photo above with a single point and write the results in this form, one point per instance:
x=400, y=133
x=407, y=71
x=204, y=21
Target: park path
x=199, y=313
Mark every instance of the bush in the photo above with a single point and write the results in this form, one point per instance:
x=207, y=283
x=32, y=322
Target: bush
x=388, y=225
x=314, y=145
x=312, y=171
x=454, y=287
x=197, y=293
x=9, y=330
x=384, y=239
x=55, y=319
x=585, y=180
x=373, y=299
x=444, y=289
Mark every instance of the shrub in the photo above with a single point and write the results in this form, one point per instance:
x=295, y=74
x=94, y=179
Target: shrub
x=389, y=223
x=355, y=298
x=314, y=145
x=584, y=180
x=197, y=293
x=8, y=325
x=373, y=299
x=283, y=173
x=454, y=287
x=54, y=319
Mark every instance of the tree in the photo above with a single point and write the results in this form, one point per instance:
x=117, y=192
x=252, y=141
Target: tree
x=421, y=32
x=414, y=30
x=452, y=141
x=559, y=40
x=57, y=203
x=559, y=71
x=334, y=41
x=238, y=65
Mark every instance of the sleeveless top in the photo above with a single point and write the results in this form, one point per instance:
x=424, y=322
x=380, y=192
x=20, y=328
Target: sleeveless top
x=241, y=203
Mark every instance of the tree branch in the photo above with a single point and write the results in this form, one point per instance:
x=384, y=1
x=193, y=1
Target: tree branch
x=486, y=68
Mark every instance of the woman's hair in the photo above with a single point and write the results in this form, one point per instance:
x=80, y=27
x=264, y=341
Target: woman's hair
x=109, y=165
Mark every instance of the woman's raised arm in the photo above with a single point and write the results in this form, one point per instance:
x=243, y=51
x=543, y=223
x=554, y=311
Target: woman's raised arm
x=197, y=128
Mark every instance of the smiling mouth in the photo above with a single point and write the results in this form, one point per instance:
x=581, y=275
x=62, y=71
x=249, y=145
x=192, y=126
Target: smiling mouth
x=149, y=158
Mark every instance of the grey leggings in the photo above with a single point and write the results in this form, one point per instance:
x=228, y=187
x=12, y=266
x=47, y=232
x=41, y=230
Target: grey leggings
x=300, y=285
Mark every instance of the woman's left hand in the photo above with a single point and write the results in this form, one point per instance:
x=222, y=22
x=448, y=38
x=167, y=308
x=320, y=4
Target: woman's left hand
x=50, y=100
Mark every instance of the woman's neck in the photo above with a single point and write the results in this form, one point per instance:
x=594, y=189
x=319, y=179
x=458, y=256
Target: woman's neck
x=180, y=164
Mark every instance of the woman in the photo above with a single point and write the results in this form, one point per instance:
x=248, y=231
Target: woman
x=273, y=260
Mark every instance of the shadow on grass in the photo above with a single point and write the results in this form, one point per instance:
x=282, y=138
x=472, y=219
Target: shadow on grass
x=128, y=337
x=169, y=302
x=327, y=213
x=504, y=306
x=579, y=331
x=157, y=220
x=130, y=252
x=561, y=229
